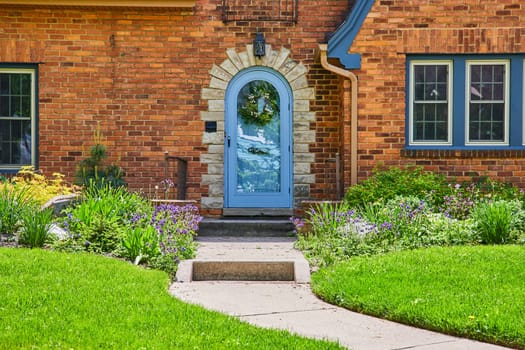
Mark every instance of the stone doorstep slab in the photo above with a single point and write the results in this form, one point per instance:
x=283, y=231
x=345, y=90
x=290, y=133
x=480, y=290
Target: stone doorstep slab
x=205, y=270
x=246, y=227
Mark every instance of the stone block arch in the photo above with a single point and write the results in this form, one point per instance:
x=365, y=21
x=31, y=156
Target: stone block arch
x=303, y=137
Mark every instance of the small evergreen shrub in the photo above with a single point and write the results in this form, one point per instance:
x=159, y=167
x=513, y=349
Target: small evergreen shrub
x=92, y=170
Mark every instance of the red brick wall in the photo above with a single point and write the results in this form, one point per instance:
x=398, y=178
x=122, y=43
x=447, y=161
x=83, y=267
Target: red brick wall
x=395, y=28
x=138, y=73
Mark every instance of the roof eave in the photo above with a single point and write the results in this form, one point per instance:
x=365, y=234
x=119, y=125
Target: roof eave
x=343, y=38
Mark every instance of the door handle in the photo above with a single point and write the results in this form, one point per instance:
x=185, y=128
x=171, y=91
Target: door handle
x=229, y=141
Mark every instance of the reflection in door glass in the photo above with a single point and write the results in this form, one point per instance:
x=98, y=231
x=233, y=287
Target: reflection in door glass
x=258, y=138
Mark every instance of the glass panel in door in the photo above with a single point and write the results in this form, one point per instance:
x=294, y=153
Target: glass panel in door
x=258, y=138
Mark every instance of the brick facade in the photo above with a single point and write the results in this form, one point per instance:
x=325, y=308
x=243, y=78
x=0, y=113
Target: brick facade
x=395, y=28
x=139, y=74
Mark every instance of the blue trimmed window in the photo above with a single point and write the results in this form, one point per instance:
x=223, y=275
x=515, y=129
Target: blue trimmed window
x=17, y=117
x=465, y=102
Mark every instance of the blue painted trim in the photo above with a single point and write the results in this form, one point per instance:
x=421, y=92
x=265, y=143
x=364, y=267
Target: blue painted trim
x=516, y=103
x=344, y=36
x=408, y=124
x=459, y=106
x=33, y=66
x=459, y=79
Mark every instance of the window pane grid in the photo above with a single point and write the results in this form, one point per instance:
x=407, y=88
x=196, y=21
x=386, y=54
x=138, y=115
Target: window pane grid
x=487, y=103
x=16, y=94
x=430, y=115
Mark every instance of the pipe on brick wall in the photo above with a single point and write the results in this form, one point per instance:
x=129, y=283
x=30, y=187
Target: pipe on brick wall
x=353, y=107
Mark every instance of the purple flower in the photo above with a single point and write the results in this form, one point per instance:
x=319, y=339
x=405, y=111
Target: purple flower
x=386, y=226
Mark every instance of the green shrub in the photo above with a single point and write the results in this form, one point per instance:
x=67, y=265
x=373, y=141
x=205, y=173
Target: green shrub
x=497, y=221
x=42, y=188
x=386, y=184
x=35, y=227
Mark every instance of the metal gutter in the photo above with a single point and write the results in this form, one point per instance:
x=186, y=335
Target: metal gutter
x=353, y=109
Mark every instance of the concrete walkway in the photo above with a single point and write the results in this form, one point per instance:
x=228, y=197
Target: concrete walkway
x=292, y=306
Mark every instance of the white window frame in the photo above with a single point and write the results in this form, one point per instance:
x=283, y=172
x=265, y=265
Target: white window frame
x=506, y=118
x=32, y=72
x=450, y=87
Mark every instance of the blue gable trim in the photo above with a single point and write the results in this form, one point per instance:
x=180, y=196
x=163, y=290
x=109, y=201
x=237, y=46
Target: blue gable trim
x=344, y=36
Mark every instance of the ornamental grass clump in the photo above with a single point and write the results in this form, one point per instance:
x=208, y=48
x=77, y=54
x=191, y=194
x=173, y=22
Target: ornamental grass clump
x=336, y=232
x=35, y=230
x=14, y=202
x=498, y=222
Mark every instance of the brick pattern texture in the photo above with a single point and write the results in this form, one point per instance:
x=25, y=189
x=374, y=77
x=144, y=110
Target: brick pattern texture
x=139, y=73
x=395, y=28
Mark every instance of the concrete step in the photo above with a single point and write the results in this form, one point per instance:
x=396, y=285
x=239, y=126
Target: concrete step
x=245, y=259
x=297, y=271
x=246, y=227
x=243, y=271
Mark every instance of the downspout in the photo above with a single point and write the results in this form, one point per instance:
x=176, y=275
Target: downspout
x=353, y=108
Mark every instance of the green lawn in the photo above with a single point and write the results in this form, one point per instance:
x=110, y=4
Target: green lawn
x=476, y=292
x=51, y=300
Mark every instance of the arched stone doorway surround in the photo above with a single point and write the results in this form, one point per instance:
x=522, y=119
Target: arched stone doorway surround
x=303, y=137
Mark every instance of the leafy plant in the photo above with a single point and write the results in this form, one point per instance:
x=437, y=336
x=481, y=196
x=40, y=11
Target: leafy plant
x=42, y=188
x=140, y=242
x=404, y=222
x=113, y=220
x=336, y=233
x=101, y=218
x=461, y=200
x=176, y=227
x=35, y=227
x=495, y=220
x=14, y=201
x=386, y=184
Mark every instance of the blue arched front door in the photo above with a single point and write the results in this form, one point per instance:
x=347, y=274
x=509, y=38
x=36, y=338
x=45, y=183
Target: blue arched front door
x=258, y=140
